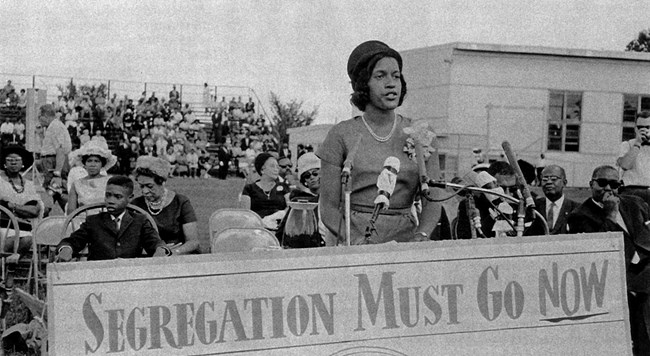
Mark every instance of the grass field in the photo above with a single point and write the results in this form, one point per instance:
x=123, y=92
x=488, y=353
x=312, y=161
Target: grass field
x=208, y=195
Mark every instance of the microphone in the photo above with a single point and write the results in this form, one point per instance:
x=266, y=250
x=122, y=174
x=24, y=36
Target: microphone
x=530, y=203
x=385, y=185
x=349, y=162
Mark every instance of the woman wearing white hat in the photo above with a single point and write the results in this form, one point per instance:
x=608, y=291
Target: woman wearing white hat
x=95, y=157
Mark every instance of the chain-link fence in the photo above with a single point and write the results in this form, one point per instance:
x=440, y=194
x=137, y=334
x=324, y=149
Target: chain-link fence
x=196, y=95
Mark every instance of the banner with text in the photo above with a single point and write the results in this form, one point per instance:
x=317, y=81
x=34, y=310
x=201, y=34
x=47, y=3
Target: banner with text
x=535, y=295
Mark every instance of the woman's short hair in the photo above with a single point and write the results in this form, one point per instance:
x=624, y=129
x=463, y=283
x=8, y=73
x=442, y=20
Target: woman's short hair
x=84, y=158
x=260, y=160
x=361, y=96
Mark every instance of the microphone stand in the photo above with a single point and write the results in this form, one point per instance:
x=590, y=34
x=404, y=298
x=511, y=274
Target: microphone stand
x=470, y=213
x=521, y=215
x=509, y=198
x=346, y=188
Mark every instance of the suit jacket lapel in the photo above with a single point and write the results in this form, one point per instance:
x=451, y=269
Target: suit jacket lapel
x=127, y=219
x=626, y=214
x=561, y=216
x=108, y=222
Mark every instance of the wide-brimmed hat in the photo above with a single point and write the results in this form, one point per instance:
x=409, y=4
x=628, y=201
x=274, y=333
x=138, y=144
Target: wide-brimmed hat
x=94, y=148
x=27, y=157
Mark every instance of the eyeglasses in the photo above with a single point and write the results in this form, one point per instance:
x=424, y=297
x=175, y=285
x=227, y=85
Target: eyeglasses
x=286, y=166
x=308, y=175
x=603, y=182
x=641, y=127
x=551, y=179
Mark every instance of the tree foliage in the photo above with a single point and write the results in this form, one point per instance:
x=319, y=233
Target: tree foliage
x=641, y=43
x=70, y=90
x=288, y=115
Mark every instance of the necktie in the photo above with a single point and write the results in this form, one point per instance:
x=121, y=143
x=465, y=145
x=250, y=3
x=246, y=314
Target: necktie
x=117, y=224
x=550, y=217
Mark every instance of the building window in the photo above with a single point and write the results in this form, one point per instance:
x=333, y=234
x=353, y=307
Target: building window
x=633, y=104
x=564, y=116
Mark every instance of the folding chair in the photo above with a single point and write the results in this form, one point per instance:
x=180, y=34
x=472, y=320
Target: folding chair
x=11, y=229
x=73, y=218
x=244, y=239
x=233, y=218
x=73, y=222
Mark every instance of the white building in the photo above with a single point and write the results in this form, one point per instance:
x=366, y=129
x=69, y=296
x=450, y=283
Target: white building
x=575, y=106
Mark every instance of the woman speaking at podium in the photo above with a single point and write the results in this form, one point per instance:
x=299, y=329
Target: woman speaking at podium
x=365, y=143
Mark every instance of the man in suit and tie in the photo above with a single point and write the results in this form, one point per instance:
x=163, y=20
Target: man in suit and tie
x=115, y=233
x=555, y=206
x=606, y=210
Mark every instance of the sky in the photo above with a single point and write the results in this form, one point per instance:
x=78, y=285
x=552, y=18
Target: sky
x=296, y=49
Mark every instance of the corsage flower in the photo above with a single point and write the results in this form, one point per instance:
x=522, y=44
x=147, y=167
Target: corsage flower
x=419, y=132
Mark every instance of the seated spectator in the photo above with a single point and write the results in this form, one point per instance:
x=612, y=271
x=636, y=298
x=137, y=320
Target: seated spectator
x=98, y=137
x=250, y=106
x=192, y=162
x=116, y=233
x=303, y=233
x=555, y=206
x=96, y=159
x=286, y=173
x=170, y=157
x=18, y=194
x=266, y=195
x=173, y=213
x=19, y=130
x=204, y=163
x=22, y=100
x=161, y=146
x=85, y=137
x=606, y=210
x=182, y=167
x=7, y=131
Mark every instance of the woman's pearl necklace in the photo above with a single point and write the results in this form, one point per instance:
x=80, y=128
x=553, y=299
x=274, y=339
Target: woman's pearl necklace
x=156, y=207
x=377, y=137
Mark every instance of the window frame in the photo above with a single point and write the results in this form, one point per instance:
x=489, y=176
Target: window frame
x=564, y=121
x=631, y=124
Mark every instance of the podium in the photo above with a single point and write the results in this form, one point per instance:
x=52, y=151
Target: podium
x=536, y=295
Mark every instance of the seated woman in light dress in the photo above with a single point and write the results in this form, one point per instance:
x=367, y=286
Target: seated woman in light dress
x=18, y=195
x=95, y=157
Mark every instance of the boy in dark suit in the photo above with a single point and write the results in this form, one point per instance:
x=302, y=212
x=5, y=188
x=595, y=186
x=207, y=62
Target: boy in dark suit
x=115, y=233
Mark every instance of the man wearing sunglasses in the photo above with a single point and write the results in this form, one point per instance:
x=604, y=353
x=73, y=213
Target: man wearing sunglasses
x=285, y=173
x=634, y=160
x=606, y=210
x=555, y=206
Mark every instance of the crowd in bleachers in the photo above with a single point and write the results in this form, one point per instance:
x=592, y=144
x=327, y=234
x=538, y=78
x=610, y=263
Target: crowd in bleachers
x=216, y=139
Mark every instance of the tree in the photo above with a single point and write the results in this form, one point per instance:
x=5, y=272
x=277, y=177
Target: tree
x=69, y=90
x=288, y=115
x=641, y=44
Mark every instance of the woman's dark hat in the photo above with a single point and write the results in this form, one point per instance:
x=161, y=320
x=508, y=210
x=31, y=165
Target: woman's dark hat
x=364, y=52
x=27, y=157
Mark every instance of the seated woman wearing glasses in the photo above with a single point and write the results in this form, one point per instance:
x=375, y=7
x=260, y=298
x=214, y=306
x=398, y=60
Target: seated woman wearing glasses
x=305, y=201
x=18, y=195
